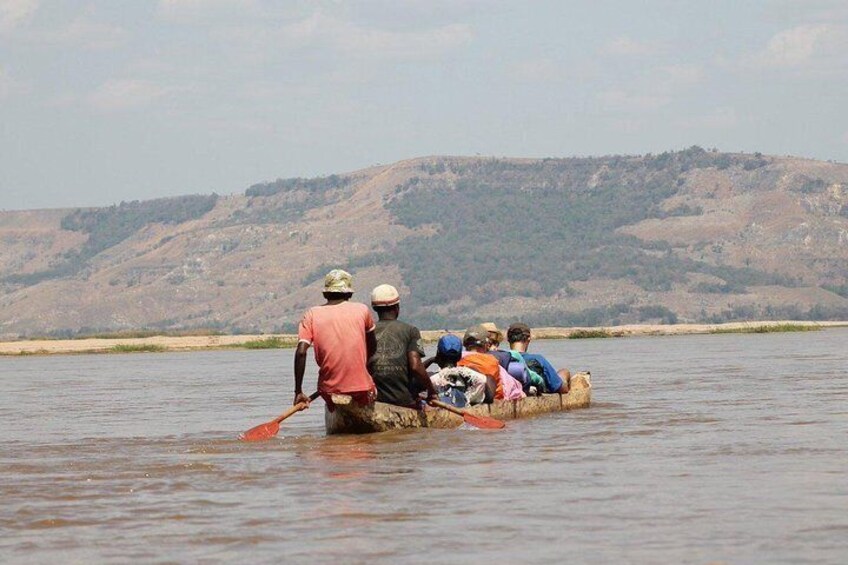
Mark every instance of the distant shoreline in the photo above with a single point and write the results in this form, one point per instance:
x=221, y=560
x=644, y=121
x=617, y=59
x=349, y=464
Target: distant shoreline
x=279, y=341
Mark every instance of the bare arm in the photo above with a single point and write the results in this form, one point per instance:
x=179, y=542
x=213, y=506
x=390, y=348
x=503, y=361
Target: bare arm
x=370, y=345
x=416, y=367
x=299, y=368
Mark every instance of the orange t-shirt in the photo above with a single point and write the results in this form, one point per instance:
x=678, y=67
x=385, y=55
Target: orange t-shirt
x=337, y=332
x=486, y=364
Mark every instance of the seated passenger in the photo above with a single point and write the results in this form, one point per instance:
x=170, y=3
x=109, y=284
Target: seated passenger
x=396, y=365
x=458, y=385
x=495, y=338
x=518, y=335
x=476, y=342
x=513, y=362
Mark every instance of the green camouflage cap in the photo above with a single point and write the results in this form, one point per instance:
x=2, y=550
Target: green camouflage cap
x=476, y=336
x=338, y=280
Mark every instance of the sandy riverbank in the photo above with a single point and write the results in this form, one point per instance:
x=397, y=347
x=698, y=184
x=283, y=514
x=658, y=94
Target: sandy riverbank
x=195, y=343
x=684, y=329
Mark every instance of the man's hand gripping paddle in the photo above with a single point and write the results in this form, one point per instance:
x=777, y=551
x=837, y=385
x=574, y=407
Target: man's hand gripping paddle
x=272, y=428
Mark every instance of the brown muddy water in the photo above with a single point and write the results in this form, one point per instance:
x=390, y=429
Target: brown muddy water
x=698, y=449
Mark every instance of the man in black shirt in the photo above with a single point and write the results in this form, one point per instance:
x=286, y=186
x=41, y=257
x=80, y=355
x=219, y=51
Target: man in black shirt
x=396, y=366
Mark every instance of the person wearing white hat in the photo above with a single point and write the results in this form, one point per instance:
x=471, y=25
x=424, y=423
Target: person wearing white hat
x=342, y=333
x=396, y=365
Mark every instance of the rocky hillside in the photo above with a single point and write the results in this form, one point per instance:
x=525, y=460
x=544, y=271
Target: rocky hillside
x=693, y=235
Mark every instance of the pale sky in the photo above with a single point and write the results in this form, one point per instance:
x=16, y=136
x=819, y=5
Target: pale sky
x=103, y=101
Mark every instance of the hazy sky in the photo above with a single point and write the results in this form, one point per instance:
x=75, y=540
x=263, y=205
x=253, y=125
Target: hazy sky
x=103, y=101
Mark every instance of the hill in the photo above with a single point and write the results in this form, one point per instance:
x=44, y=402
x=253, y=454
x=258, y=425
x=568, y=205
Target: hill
x=693, y=235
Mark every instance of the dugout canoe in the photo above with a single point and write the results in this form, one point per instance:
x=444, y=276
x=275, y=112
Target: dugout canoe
x=351, y=418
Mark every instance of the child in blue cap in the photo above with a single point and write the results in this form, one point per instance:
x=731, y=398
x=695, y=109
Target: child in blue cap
x=459, y=386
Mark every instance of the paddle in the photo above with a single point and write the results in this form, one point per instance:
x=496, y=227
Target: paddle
x=270, y=429
x=478, y=421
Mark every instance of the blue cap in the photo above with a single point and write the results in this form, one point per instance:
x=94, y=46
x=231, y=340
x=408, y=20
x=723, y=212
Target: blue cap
x=449, y=346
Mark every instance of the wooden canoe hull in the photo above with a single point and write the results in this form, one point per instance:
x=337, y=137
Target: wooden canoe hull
x=351, y=418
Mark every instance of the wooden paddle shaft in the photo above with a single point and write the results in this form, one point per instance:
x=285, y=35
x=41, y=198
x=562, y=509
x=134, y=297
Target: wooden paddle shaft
x=447, y=407
x=296, y=408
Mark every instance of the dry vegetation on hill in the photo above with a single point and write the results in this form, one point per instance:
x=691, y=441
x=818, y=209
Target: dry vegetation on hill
x=693, y=235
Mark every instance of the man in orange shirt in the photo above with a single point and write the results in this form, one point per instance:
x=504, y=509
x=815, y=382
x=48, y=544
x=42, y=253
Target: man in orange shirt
x=342, y=334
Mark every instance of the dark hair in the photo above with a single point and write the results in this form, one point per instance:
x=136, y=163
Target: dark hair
x=520, y=333
x=471, y=341
x=448, y=358
x=338, y=295
x=383, y=309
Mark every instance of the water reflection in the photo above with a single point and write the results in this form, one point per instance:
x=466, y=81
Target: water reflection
x=343, y=458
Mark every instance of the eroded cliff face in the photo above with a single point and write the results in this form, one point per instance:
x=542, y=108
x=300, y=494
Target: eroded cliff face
x=720, y=236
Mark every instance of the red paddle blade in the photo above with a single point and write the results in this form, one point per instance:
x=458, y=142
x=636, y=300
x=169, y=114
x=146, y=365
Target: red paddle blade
x=261, y=432
x=483, y=422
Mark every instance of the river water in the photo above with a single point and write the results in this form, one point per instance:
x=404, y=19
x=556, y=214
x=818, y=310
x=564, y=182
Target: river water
x=697, y=449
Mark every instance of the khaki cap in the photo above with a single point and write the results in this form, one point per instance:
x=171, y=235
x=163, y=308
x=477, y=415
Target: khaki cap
x=385, y=295
x=493, y=329
x=338, y=280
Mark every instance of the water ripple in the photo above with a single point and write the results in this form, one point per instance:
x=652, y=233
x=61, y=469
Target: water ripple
x=697, y=449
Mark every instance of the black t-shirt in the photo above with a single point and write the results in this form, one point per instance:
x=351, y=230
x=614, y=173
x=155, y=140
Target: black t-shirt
x=389, y=365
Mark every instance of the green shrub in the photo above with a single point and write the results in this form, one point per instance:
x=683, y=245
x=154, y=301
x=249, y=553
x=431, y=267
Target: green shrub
x=590, y=334
x=107, y=227
x=657, y=312
x=136, y=348
x=314, y=185
x=764, y=329
x=268, y=343
x=841, y=290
